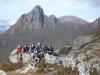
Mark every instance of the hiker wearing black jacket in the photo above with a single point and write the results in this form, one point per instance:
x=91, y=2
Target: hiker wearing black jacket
x=50, y=50
x=26, y=48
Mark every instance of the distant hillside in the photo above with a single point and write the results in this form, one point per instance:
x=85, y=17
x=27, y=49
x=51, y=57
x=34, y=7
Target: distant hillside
x=73, y=19
x=3, y=27
x=36, y=26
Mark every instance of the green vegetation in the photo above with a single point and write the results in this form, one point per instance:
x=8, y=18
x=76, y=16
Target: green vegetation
x=60, y=70
x=44, y=67
x=41, y=66
x=67, y=71
x=93, y=71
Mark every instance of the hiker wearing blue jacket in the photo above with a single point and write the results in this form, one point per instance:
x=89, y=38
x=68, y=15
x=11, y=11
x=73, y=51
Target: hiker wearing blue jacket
x=38, y=50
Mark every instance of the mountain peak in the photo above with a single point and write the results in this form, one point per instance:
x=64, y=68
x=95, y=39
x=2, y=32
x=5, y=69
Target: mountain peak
x=37, y=9
x=32, y=20
x=53, y=16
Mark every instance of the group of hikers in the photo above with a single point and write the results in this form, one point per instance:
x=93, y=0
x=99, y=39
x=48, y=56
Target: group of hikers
x=36, y=49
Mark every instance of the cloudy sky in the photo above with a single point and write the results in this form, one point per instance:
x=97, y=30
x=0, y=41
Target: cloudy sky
x=11, y=10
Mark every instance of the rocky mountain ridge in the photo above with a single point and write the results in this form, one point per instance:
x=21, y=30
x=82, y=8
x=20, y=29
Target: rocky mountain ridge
x=36, y=19
x=36, y=26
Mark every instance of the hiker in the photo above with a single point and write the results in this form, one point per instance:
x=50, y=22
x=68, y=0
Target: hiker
x=38, y=44
x=19, y=51
x=50, y=50
x=31, y=49
x=26, y=48
x=38, y=50
x=45, y=49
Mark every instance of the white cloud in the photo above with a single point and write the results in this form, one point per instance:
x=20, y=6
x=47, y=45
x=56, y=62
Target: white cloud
x=93, y=3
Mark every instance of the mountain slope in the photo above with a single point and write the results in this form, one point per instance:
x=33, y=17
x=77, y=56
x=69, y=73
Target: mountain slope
x=90, y=50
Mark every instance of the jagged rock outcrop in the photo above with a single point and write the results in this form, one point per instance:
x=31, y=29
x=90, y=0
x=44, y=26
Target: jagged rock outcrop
x=35, y=19
x=32, y=20
x=51, y=22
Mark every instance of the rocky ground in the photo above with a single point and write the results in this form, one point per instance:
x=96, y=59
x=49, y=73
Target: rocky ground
x=85, y=48
x=44, y=69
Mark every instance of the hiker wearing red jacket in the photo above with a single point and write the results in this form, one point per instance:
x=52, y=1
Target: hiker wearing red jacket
x=19, y=49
